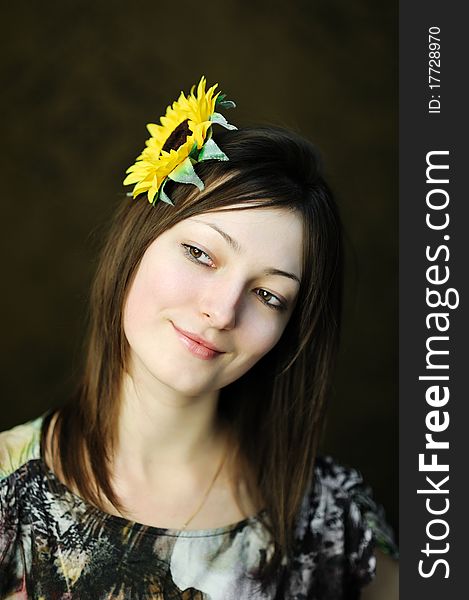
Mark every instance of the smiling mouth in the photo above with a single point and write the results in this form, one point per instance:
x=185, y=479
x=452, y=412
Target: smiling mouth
x=196, y=345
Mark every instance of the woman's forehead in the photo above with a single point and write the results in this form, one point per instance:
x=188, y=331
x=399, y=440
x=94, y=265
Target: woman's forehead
x=239, y=216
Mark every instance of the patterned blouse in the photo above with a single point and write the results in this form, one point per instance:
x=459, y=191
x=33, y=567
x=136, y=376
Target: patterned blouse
x=54, y=545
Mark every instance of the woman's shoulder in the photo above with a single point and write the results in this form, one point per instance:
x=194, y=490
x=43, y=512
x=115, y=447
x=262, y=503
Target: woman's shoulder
x=336, y=476
x=338, y=529
x=341, y=496
x=19, y=445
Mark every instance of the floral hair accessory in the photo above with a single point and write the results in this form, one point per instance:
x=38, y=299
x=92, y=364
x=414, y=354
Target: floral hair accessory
x=183, y=139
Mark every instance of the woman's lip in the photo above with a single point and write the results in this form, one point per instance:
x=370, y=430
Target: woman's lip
x=197, y=345
x=198, y=339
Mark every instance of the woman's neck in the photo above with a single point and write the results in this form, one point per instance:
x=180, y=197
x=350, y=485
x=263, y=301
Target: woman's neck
x=169, y=453
x=161, y=431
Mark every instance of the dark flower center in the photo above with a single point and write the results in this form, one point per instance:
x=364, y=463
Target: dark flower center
x=178, y=137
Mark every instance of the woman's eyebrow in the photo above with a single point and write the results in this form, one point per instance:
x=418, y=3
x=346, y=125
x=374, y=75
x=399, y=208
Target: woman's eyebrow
x=282, y=273
x=235, y=245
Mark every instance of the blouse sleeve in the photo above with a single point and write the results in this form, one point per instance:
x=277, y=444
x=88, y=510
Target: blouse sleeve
x=340, y=526
x=17, y=447
x=9, y=525
x=365, y=528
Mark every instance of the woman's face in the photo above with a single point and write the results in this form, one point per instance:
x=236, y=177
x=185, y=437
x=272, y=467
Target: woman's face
x=212, y=295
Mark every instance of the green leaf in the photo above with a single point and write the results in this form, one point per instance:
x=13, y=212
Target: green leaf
x=226, y=104
x=194, y=152
x=221, y=102
x=220, y=120
x=184, y=173
x=210, y=151
x=162, y=194
x=155, y=198
x=220, y=99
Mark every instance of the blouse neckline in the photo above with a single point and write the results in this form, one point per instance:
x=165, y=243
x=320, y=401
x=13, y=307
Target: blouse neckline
x=122, y=523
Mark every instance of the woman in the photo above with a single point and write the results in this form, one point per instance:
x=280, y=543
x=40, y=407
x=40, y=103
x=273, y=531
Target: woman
x=185, y=466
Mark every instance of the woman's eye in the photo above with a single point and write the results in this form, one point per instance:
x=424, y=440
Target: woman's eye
x=197, y=255
x=270, y=300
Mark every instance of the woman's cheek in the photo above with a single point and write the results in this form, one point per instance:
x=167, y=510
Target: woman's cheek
x=262, y=331
x=254, y=343
x=173, y=282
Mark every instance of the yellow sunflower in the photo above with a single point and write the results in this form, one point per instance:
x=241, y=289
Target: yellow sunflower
x=178, y=143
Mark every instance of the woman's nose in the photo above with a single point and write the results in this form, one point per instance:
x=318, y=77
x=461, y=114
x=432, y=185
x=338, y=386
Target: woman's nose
x=221, y=303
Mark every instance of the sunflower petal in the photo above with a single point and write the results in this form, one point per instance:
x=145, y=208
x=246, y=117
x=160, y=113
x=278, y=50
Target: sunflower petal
x=131, y=178
x=141, y=188
x=151, y=194
x=153, y=129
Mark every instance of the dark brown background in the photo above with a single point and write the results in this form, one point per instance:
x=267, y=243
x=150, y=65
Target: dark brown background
x=81, y=80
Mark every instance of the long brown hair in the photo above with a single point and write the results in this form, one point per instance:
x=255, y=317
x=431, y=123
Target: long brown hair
x=279, y=408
